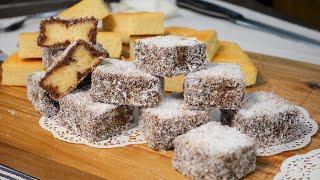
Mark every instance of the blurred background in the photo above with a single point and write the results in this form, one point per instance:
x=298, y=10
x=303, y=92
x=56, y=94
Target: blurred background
x=302, y=12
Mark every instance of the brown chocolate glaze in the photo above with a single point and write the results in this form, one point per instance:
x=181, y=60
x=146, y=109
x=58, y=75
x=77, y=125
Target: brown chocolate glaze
x=65, y=60
x=42, y=35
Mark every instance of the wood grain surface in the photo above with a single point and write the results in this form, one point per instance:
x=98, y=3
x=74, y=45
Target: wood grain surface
x=26, y=147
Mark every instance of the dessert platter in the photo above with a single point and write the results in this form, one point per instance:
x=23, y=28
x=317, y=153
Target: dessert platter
x=132, y=99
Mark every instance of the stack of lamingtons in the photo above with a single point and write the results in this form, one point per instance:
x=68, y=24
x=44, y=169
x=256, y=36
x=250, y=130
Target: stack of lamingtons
x=95, y=96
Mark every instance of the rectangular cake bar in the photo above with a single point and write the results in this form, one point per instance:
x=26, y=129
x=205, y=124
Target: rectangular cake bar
x=170, y=55
x=168, y=120
x=38, y=97
x=28, y=47
x=214, y=151
x=56, y=32
x=75, y=62
x=268, y=118
x=221, y=85
x=120, y=82
x=93, y=121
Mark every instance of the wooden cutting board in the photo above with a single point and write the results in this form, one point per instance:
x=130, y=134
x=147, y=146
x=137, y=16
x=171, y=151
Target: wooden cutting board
x=26, y=147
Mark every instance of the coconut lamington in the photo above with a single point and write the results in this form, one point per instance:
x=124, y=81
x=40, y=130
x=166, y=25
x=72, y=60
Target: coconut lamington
x=57, y=32
x=75, y=62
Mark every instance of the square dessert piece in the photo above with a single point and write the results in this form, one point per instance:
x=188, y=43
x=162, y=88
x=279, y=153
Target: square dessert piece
x=15, y=71
x=168, y=120
x=28, y=47
x=221, y=85
x=170, y=55
x=71, y=67
x=120, y=82
x=86, y=8
x=56, y=32
x=268, y=118
x=230, y=52
x=91, y=120
x=38, y=97
x=111, y=41
x=214, y=151
x=140, y=23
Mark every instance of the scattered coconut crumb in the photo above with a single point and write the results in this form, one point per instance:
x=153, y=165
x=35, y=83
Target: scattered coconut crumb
x=12, y=112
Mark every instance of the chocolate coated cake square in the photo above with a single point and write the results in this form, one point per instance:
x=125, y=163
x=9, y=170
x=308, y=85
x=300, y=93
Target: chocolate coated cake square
x=214, y=151
x=169, y=120
x=268, y=118
x=221, y=85
x=170, y=55
x=120, y=82
x=91, y=120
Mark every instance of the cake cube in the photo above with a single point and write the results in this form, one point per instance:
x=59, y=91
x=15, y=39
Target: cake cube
x=120, y=82
x=38, y=97
x=221, y=85
x=268, y=118
x=214, y=151
x=208, y=36
x=111, y=41
x=170, y=55
x=15, y=71
x=174, y=83
x=28, y=47
x=86, y=8
x=93, y=121
x=56, y=32
x=230, y=52
x=134, y=24
x=71, y=67
x=168, y=120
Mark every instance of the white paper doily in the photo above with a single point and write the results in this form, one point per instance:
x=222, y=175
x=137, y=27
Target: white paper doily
x=135, y=136
x=131, y=136
x=308, y=126
x=306, y=166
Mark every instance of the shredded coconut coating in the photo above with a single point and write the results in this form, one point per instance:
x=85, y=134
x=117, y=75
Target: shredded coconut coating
x=214, y=151
x=170, y=55
x=41, y=101
x=91, y=120
x=169, y=120
x=268, y=118
x=221, y=85
x=120, y=82
x=49, y=56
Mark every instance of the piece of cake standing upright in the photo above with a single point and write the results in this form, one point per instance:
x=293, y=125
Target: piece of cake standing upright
x=168, y=120
x=170, y=55
x=71, y=67
x=56, y=32
x=268, y=118
x=220, y=85
x=120, y=82
x=214, y=151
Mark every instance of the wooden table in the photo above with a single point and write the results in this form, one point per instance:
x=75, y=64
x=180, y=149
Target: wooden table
x=26, y=147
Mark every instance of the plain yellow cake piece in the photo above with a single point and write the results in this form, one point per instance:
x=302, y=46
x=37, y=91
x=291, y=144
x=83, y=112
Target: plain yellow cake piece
x=133, y=39
x=111, y=41
x=209, y=37
x=86, y=8
x=174, y=84
x=230, y=52
x=134, y=24
x=15, y=70
x=28, y=47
